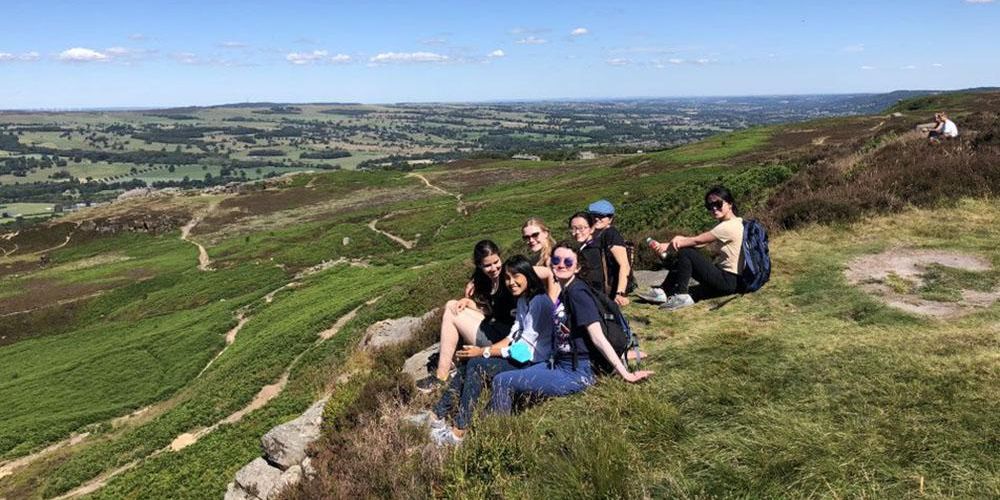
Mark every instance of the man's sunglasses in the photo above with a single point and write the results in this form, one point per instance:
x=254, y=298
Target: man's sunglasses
x=532, y=236
x=568, y=261
x=712, y=206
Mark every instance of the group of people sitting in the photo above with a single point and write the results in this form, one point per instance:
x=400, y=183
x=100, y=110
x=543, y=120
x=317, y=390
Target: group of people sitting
x=532, y=326
x=942, y=128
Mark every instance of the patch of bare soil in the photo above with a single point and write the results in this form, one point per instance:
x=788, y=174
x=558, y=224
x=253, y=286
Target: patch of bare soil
x=874, y=272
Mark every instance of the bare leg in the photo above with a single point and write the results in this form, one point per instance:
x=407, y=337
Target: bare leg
x=454, y=327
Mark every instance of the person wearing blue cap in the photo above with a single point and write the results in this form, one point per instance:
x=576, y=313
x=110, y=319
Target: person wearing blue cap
x=615, y=265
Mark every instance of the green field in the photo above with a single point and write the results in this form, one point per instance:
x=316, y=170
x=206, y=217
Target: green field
x=809, y=388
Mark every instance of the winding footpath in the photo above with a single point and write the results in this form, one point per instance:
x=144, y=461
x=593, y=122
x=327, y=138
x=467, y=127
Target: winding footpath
x=204, y=263
x=407, y=244
x=459, y=207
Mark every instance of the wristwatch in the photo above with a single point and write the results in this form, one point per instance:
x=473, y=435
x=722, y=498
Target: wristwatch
x=621, y=294
x=486, y=353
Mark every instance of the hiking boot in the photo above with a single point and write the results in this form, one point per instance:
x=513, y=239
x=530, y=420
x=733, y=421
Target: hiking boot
x=679, y=301
x=445, y=437
x=655, y=295
x=429, y=384
x=426, y=419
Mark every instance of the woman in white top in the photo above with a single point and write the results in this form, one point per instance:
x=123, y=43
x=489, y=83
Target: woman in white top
x=945, y=128
x=715, y=278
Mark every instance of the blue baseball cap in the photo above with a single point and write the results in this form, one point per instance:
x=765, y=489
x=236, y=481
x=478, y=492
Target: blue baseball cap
x=601, y=207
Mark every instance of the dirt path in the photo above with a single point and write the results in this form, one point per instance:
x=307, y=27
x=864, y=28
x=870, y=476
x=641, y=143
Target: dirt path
x=204, y=263
x=7, y=468
x=56, y=303
x=460, y=207
x=11, y=251
x=404, y=243
x=241, y=319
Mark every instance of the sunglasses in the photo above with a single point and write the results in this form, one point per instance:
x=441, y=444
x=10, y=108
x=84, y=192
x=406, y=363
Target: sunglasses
x=567, y=262
x=532, y=236
x=712, y=206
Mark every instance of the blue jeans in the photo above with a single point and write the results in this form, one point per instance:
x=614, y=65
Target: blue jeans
x=467, y=385
x=540, y=380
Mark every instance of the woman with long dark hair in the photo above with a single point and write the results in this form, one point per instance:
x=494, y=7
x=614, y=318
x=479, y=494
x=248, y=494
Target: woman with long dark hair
x=715, y=277
x=577, y=335
x=480, y=318
x=526, y=345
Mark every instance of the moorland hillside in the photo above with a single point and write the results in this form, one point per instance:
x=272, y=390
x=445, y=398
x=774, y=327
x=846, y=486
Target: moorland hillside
x=148, y=344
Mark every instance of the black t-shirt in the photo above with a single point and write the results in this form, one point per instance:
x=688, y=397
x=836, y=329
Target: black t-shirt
x=591, y=271
x=502, y=306
x=576, y=310
x=596, y=250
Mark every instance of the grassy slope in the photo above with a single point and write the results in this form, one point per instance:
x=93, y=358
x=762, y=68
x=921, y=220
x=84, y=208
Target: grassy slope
x=713, y=421
x=808, y=388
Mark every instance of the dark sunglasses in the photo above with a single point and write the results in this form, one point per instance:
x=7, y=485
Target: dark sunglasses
x=568, y=261
x=712, y=206
x=532, y=236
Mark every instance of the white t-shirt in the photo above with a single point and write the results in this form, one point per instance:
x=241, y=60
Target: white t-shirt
x=950, y=129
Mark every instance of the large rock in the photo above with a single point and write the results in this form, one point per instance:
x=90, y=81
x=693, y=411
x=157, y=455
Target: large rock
x=285, y=445
x=393, y=331
x=646, y=279
x=258, y=479
x=416, y=365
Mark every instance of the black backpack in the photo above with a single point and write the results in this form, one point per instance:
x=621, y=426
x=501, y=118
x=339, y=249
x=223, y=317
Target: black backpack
x=756, y=257
x=616, y=329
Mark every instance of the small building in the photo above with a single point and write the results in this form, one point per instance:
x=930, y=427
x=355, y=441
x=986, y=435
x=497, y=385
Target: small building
x=526, y=157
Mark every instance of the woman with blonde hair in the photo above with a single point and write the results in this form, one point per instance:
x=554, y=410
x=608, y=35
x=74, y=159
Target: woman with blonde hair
x=537, y=236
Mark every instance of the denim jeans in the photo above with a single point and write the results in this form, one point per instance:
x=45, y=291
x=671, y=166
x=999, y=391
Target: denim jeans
x=467, y=385
x=540, y=381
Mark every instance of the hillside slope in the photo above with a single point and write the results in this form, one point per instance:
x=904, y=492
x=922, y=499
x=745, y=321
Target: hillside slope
x=807, y=388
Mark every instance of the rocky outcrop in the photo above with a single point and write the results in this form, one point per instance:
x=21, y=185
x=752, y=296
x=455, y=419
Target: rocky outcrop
x=416, y=365
x=284, y=462
x=156, y=223
x=393, y=331
x=646, y=279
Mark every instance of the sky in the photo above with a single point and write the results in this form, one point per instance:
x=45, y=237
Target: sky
x=111, y=53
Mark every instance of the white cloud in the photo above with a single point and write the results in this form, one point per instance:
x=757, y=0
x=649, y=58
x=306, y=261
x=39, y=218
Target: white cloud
x=233, y=45
x=937, y=65
x=579, y=32
x=301, y=58
x=619, y=61
x=675, y=60
x=909, y=67
x=341, y=59
x=531, y=40
x=702, y=61
x=137, y=37
x=23, y=57
x=854, y=49
x=187, y=58
x=116, y=51
x=81, y=54
x=867, y=67
x=496, y=53
x=408, y=57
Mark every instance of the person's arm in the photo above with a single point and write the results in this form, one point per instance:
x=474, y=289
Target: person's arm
x=552, y=287
x=602, y=344
x=620, y=255
x=678, y=242
x=471, y=351
x=466, y=301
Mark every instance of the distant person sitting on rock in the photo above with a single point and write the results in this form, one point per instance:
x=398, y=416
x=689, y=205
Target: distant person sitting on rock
x=944, y=129
x=615, y=262
x=520, y=349
x=537, y=236
x=577, y=335
x=714, y=278
x=480, y=318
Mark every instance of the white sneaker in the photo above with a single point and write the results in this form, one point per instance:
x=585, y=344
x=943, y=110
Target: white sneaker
x=678, y=301
x=444, y=437
x=426, y=419
x=655, y=295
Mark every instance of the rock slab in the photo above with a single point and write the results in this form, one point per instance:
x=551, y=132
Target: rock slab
x=416, y=365
x=285, y=445
x=393, y=331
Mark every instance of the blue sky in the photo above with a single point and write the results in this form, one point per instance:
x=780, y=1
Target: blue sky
x=131, y=53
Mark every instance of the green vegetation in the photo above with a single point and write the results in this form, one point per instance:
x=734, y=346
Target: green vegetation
x=807, y=388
